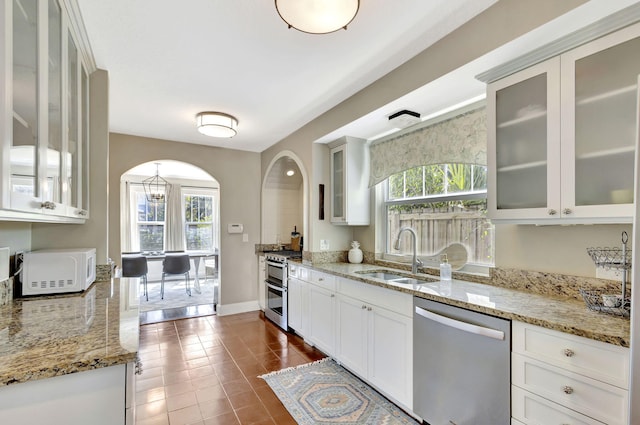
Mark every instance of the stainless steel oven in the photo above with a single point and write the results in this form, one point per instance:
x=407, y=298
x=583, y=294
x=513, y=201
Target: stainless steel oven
x=276, y=290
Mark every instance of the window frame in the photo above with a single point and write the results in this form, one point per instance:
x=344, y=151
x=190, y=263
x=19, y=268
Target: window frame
x=429, y=261
x=201, y=192
x=137, y=190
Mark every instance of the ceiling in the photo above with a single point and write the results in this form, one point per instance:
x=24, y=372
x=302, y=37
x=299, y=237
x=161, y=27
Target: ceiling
x=167, y=63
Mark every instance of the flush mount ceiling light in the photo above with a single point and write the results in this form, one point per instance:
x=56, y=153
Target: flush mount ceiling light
x=290, y=173
x=317, y=16
x=155, y=188
x=217, y=124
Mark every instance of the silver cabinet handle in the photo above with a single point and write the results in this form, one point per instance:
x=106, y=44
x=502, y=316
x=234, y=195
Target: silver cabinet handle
x=567, y=389
x=463, y=326
x=567, y=211
x=48, y=205
x=552, y=212
x=82, y=212
x=568, y=352
x=138, y=367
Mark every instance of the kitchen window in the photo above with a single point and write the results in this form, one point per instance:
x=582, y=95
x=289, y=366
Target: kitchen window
x=150, y=223
x=199, y=219
x=443, y=203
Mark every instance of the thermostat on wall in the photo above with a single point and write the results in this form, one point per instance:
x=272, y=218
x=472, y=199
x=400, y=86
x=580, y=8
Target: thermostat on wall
x=235, y=228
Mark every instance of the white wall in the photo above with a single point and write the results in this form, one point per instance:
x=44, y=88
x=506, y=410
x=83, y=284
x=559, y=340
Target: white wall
x=237, y=172
x=287, y=207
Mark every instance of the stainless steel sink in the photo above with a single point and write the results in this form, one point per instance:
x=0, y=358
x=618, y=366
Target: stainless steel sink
x=392, y=277
x=381, y=275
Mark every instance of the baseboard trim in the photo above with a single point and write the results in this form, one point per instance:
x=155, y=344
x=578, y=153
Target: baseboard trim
x=245, y=307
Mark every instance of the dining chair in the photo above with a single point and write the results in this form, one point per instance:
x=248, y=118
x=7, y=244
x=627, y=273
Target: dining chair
x=176, y=264
x=136, y=266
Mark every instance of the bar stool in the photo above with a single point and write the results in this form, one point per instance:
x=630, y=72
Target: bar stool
x=136, y=266
x=176, y=264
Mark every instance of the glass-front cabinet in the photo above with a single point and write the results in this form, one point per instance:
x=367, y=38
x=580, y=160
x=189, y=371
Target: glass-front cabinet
x=44, y=152
x=526, y=142
x=562, y=135
x=349, y=174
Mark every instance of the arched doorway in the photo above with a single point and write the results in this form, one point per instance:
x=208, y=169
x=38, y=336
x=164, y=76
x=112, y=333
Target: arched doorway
x=185, y=218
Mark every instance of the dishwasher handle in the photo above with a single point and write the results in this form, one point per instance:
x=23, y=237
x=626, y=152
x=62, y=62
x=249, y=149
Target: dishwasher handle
x=463, y=326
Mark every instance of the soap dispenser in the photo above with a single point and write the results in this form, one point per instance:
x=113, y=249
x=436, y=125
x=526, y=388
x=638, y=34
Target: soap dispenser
x=445, y=268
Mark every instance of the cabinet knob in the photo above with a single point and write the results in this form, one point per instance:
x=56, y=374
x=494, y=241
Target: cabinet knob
x=369, y=309
x=568, y=352
x=364, y=306
x=567, y=211
x=82, y=212
x=567, y=389
x=48, y=205
x=552, y=212
x=333, y=295
x=321, y=280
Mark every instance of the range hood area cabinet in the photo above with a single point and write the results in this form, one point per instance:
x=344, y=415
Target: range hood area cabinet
x=45, y=114
x=349, y=179
x=562, y=136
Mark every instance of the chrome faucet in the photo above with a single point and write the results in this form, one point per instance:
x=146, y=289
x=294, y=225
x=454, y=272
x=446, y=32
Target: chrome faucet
x=415, y=262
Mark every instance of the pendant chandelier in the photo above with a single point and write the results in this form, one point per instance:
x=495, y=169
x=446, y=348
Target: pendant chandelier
x=155, y=188
x=317, y=16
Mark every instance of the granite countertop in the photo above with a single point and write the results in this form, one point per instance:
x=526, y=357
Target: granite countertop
x=42, y=337
x=553, y=312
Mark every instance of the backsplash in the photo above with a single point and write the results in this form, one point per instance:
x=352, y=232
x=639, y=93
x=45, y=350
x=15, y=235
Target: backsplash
x=543, y=283
x=6, y=291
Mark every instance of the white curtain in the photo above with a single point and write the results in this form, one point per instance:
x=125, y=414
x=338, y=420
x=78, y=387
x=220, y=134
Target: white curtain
x=129, y=240
x=174, y=219
x=461, y=139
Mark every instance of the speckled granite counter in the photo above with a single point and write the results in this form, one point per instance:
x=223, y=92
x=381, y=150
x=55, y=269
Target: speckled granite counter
x=43, y=337
x=560, y=313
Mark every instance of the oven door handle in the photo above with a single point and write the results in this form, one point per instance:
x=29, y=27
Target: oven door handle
x=276, y=264
x=276, y=288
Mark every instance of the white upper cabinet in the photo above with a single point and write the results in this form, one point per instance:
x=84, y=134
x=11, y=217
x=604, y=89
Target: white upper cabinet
x=349, y=177
x=562, y=135
x=44, y=149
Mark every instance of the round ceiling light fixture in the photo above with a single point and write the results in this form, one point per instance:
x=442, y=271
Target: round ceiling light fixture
x=317, y=16
x=217, y=124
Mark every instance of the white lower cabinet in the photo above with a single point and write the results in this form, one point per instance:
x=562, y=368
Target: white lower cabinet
x=297, y=294
x=368, y=329
x=96, y=397
x=562, y=378
x=322, y=318
x=375, y=337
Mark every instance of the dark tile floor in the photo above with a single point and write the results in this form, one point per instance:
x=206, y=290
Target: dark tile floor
x=204, y=371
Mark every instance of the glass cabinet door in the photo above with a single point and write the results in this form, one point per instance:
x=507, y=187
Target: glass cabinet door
x=338, y=184
x=73, y=150
x=525, y=140
x=604, y=102
x=84, y=143
x=24, y=144
x=52, y=190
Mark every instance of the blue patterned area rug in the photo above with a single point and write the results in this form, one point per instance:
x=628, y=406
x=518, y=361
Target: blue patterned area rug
x=323, y=392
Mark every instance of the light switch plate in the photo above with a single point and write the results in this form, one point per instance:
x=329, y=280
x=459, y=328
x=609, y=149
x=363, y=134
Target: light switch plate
x=324, y=245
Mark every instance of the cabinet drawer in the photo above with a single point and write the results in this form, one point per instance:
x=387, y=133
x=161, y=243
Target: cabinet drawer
x=532, y=409
x=595, y=359
x=301, y=272
x=595, y=399
x=323, y=280
x=396, y=301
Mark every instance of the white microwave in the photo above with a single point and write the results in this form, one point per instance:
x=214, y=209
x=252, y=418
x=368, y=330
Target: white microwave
x=58, y=271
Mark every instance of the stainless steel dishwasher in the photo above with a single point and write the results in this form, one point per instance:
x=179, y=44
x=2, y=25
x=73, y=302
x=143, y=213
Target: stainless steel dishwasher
x=462, y=366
